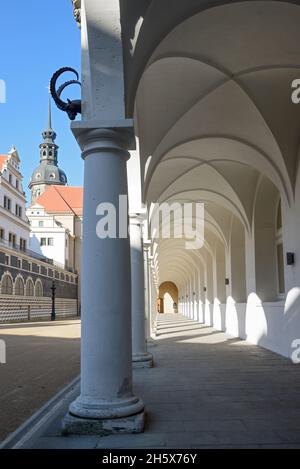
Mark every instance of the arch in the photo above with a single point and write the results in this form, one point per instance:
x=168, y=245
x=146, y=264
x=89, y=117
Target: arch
x=220, y=273
x=265, y=218
x=237, y=260
x=38, y=288
x=167, y=288
x=171, y=288
x=279, y=251
x=7, y=284
x=19, y=286
x=29, y=289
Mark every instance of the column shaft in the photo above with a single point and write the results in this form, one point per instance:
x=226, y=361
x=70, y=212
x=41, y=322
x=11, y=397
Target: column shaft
x=106, y=403
x=140, y=357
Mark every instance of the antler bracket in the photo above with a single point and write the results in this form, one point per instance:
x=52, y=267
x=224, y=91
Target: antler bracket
x=72, y=108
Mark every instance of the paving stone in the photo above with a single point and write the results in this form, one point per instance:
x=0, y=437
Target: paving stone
x=207, y=390
x=82, y=442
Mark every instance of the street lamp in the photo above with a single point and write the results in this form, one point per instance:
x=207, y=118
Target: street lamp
x=53, y=315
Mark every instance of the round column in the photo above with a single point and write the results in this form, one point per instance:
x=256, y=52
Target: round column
x=140, y=357
x=106, y=403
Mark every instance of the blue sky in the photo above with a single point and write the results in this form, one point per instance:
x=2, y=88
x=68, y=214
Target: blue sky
x=35, y=40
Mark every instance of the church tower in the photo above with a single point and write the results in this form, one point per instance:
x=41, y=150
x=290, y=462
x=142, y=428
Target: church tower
x=47, y=173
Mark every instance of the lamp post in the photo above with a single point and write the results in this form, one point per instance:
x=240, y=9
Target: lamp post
x=53, y=288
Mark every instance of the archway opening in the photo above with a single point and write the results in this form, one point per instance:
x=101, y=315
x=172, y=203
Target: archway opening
x=168, y=304
x=167, y=298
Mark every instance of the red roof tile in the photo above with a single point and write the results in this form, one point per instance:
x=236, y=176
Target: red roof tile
x=62, y=199
x=3, y=158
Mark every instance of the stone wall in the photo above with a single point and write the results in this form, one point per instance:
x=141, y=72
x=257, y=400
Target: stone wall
x=15, y=309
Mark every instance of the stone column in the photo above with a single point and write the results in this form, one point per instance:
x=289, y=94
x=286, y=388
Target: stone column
x=106, y=403
x=140, y=357
x=147, y=294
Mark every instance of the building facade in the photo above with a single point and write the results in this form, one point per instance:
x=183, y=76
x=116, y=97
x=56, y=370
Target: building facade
x=14, y=225
x=56, y=225
x=27, y=278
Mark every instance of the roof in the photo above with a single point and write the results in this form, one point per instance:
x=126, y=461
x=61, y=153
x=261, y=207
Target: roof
x=62, y=199
x=3, y=158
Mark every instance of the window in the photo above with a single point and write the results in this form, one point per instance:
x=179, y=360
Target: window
x=43, y=241
x=17, y=184
x=18, y=211
x=50, y=242
x=2, y=233
x=279, y=252
x=19, y=287
x=29, y=287
x=12, y=239
x=7, y=285
x=19, y=263
x=41, y=223
x=6, y=260
x=7, y=203
x=23, y=244
x=10, y=178
x=38, y=288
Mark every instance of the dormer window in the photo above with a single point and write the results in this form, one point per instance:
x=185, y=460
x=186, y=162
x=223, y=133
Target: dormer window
x=52, y=176
x=38, y=176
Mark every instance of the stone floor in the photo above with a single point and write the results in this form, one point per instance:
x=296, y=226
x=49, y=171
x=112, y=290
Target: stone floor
x=207, y=390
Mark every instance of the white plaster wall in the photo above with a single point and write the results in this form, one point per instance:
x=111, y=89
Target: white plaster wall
x=259, y=323
x=57, y=252
x=134, y=182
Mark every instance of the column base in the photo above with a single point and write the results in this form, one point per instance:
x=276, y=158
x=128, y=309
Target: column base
x=90, y=416
x=143, y=360
x=73, y=425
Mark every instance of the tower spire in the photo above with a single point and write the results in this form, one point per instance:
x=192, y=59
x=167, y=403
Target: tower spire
x=49, y=113
x=47, y=173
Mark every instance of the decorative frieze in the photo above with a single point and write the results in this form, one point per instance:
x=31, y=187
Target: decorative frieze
x=77, y=11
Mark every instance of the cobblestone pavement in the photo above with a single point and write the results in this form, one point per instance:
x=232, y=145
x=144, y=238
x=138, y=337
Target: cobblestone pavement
x=41, y=358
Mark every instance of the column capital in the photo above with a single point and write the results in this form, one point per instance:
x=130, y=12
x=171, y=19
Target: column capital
x=95, y=136
x=77, y=11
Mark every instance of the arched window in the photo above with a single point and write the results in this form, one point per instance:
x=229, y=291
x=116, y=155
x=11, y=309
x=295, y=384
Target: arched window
x=19, y=287
x=6, y=285
x=279, y=252
x=38, y=288
x=29, y=287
